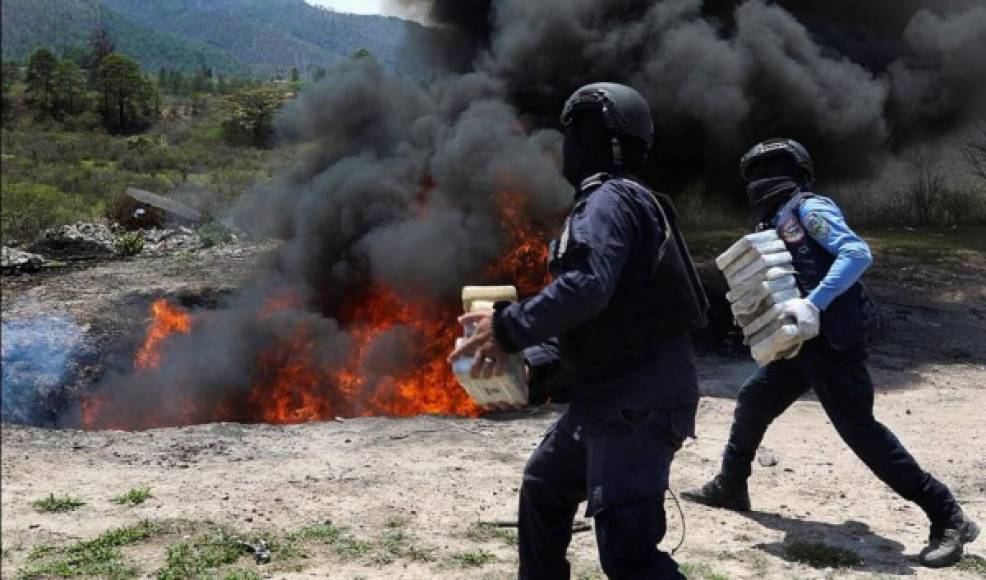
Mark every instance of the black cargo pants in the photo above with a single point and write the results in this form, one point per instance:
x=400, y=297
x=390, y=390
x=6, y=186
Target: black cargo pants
x=844, y=388
x=621, y=464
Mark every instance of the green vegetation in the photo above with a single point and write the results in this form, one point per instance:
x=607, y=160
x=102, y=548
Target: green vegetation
x=57, y=504
x=129, y=244
x=200, y=557
x=214, y=234
x=249, y=116
x=821, y=555
x=484, y=532
x=972, y=563
x=129, y=102
x=135, y=496
x=701, y=572
x=186, y=35
x=66, y=159
x=470, y=559
x=99, y=557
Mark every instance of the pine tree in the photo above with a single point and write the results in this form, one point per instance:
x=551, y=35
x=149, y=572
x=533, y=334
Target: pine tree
x=129, y=101
x=100, y=46
x=69, y=84
x=40, y=81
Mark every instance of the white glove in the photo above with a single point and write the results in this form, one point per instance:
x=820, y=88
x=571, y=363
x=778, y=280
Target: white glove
x=806, y=316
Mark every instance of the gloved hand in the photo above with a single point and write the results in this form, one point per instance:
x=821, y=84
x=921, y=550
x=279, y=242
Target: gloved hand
x=806, y=315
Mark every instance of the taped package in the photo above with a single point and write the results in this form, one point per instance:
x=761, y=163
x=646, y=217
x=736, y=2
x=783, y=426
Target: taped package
x=759, y=271
x=509, y=389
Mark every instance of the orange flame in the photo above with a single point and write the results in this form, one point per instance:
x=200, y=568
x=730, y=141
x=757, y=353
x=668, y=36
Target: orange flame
x=167, y=320
x=293, y=384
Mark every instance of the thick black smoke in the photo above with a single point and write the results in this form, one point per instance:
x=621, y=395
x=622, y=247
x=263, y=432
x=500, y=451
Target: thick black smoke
x=856, y=81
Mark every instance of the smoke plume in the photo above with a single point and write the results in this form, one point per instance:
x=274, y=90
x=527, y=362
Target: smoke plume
x=405, y=190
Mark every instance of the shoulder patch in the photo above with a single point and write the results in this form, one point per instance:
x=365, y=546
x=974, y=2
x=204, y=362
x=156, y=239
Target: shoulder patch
x=792, y=231
x=816, y=225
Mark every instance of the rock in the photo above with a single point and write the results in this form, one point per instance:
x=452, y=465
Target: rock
x=16, y=261
x=79, y=241
x=766, y=457
x=158, y=242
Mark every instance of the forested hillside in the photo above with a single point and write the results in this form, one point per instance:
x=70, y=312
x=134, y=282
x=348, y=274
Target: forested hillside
x=65, y=26
x=261, y=37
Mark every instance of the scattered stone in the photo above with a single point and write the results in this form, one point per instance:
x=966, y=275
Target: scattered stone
x=158, y=242
x=766, y=457
x=16, y=261
x=79, y=241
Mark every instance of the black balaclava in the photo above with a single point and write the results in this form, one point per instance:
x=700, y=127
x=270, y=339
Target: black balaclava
x=772, y=181
x=588, y=149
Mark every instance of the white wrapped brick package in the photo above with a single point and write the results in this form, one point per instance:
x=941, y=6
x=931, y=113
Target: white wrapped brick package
x=509, y=389
x=761, y=279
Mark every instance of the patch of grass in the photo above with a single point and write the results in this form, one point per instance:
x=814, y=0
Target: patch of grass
x=396, y=522
x=135, y=496
x=351, y=548
x=397, y=543
x=325, y=533
x=701, y=572
x=974, y=564
x=470, y=559
x=57, y=504
x=239, y=574
x=99, y=557
x=821, y=555
x=201, y=557
x=484, y=532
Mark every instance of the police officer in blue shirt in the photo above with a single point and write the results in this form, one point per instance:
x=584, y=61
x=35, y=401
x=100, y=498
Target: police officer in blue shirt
x=829, y=259
x=622, y=301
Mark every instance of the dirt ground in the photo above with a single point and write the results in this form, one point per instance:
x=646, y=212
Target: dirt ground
x=407, y=494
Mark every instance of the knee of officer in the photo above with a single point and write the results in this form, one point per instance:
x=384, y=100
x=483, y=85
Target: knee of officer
x=628, y=536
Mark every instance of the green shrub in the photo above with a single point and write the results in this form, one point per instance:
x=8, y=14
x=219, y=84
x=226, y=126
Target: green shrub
x=213, y=234
x=30, y=208
x=57, y=504
x=129, y=244
x=135, y=496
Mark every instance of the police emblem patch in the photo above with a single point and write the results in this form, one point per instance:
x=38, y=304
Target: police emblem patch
x=816, y=225
x=792, y=231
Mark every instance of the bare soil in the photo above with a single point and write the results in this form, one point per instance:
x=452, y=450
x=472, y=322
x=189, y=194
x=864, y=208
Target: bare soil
x=434, y=478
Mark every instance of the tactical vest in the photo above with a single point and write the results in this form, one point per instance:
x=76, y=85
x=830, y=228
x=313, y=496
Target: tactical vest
x=852, y=315
x=658, y=297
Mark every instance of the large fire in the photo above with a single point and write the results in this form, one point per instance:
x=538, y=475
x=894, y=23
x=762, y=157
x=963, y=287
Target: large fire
x=291, y=385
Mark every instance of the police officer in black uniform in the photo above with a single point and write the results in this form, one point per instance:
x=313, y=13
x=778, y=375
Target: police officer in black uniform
x=622, y=301
x=829, y=259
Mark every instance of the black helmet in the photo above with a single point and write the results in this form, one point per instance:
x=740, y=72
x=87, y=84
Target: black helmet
x=624, y=109
x=788, y=147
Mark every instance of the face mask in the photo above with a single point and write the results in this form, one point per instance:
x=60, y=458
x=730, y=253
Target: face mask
x=767, y=194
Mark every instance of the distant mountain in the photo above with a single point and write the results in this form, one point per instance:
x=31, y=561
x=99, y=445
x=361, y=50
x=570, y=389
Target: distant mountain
x=66, y=24
x=262, y=37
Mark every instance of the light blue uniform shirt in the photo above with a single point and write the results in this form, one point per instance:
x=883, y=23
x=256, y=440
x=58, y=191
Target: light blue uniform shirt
x=824, y=222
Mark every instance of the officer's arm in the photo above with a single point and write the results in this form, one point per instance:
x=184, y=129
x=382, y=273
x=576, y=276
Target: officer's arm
x=825, y=223
x=600, y=238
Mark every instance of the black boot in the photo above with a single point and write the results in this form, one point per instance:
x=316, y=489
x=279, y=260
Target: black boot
x=723, y=493
x=945, y=545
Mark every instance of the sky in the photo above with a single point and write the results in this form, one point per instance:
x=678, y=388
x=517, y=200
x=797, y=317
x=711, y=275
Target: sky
x=354, y=6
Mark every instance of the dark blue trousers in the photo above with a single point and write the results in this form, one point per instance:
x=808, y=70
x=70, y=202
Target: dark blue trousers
x=620, y=464
x=844, y=389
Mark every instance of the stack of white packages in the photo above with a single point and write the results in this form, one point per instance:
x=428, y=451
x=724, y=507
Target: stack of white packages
x=761, y=279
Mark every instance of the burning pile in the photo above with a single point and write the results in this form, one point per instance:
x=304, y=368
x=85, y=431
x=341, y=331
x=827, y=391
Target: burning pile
x=290, y=380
